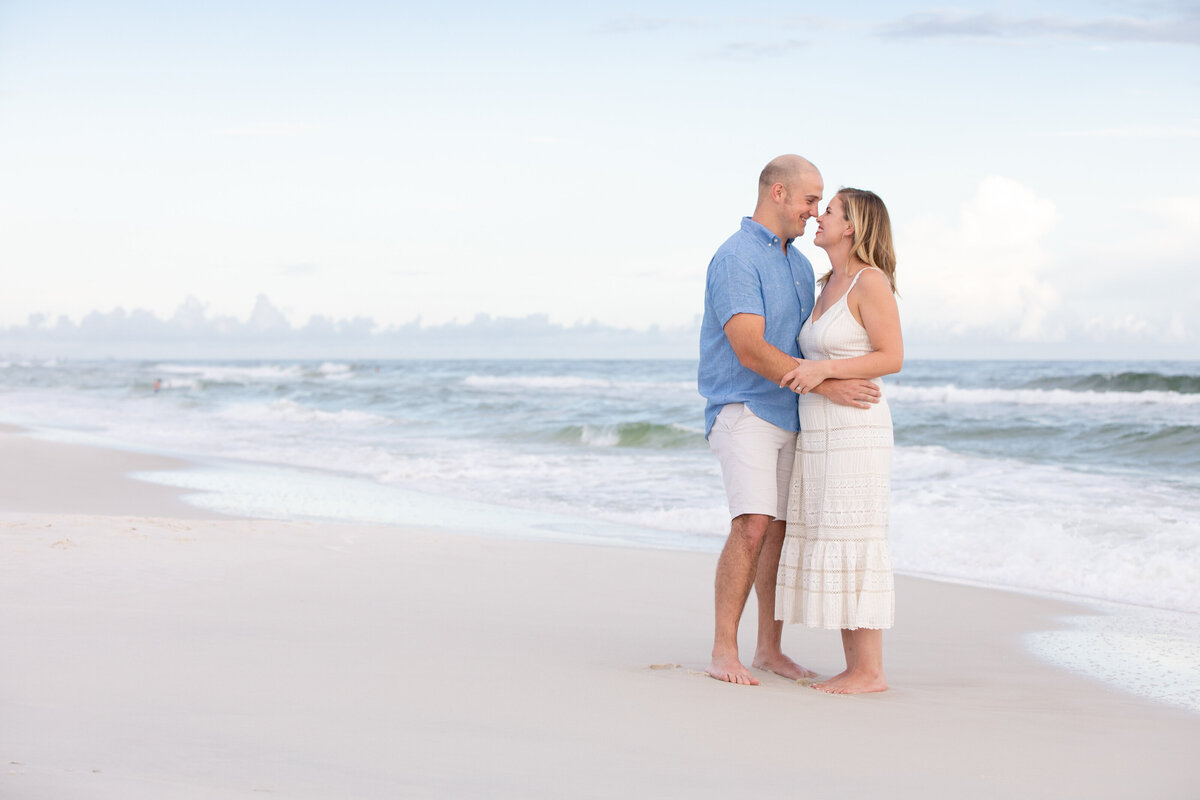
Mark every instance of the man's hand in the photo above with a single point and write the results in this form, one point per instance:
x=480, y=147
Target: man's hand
x=849, y=392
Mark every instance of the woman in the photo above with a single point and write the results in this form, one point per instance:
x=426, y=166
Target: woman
x=835, y=570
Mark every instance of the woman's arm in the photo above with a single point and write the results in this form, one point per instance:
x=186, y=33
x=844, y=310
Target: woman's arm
x=876, y=306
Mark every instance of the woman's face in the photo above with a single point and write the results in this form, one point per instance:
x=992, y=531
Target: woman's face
x=832, y=226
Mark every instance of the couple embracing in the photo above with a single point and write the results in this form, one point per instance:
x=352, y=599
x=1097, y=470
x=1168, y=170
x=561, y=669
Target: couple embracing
x=797, y=419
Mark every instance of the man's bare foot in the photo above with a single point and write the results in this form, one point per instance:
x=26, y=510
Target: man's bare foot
x=853, y=683
x=782, y=665
x=730, y=670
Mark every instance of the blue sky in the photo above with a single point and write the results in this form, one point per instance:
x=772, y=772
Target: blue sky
x=396, y=162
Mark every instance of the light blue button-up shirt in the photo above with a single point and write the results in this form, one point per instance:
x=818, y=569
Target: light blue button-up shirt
x=751, y=275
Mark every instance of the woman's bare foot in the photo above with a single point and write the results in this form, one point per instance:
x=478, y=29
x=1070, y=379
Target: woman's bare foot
x=854, y=683
x=831, y=681
x=730, y=670
x=782, y=665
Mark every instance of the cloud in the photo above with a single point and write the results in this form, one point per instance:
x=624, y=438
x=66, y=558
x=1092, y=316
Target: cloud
x=972, y=331
x=298, y=270
x=1133, y=132
x=984, y=270
x=755, y=51
x=189, y=323
x=996, y=278
x=264, y=131
x=1182, y=29
x=644, y=24
x=637, y=23
x=266, y=332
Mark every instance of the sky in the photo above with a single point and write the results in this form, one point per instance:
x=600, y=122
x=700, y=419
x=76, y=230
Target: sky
x=545, y=178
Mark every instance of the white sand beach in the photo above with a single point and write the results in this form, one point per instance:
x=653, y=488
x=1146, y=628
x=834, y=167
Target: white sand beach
x=153, y=650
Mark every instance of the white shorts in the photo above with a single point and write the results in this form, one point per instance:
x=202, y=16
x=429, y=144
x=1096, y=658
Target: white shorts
x=756, y=461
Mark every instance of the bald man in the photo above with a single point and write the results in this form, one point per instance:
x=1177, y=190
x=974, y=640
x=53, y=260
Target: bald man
x=760, y=290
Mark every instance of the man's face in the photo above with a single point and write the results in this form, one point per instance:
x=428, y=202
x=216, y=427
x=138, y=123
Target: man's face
x=802, y=201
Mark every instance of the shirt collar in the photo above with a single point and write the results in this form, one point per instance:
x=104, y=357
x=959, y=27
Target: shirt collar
x=761, y=233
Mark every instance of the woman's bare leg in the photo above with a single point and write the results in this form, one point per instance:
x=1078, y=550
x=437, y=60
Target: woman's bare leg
x=864, y=664
x=848, y=649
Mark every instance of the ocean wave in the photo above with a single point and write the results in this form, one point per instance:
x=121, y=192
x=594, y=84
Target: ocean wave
x=949, y=394
x=228, y=374
x=1120, y=382
x=291, y=411
x=30, y=364
x=1136, y=442
x=632, y=434
x=1179, y=444
x=571, y=383
x=334, y=371
x=1045, y=527
x=180, y=383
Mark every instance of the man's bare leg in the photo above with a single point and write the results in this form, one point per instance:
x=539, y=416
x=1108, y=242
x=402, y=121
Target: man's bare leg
x=768, y=654
x=866, y=674
x=735, y=575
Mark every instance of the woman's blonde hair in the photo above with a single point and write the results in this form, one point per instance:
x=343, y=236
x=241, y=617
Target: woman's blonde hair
x=872, y=243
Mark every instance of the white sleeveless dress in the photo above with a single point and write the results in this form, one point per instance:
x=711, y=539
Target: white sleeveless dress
x=835, y=570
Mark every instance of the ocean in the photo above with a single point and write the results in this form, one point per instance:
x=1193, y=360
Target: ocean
x=1074, y=478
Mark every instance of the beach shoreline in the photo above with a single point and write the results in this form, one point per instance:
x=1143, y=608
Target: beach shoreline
x=166, y=655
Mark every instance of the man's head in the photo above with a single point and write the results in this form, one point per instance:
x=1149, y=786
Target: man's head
x=789, y=192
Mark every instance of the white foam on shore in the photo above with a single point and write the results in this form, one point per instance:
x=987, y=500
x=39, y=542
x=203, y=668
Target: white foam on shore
x=1045, y=528
x=281, y=493
x=1148, y=652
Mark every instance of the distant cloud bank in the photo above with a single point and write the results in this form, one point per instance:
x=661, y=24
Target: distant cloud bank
x=191, y=332
x=1183, y=29
x=1146, y=23
x=267, y=333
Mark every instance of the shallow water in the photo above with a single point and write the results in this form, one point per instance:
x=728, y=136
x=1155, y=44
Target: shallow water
x=1078, y=478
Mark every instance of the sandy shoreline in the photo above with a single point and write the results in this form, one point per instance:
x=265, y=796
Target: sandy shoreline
x=155, y=653
x=38, y=475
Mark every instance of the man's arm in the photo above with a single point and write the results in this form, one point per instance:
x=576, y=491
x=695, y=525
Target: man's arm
x=745, y=334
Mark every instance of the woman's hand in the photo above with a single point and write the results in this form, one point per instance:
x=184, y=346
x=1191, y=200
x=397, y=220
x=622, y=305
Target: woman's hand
x=805, y=377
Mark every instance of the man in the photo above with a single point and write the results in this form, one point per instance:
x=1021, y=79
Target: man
x=760, y=289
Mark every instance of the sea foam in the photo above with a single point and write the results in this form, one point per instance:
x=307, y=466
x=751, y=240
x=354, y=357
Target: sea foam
x=950, y=394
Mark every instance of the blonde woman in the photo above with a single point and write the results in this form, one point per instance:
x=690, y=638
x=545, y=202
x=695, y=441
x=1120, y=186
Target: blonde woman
x=835, y=570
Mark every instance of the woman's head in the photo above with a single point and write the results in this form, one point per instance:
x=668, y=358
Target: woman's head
x=861, y=218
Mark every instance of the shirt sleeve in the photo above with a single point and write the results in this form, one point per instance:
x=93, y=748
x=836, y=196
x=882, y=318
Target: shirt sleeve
x=734, y=287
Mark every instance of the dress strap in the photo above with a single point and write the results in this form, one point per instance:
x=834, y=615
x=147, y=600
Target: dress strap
x=859, y=275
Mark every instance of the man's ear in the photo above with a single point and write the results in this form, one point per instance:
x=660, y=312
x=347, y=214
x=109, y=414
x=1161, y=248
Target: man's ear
x=777, y=192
